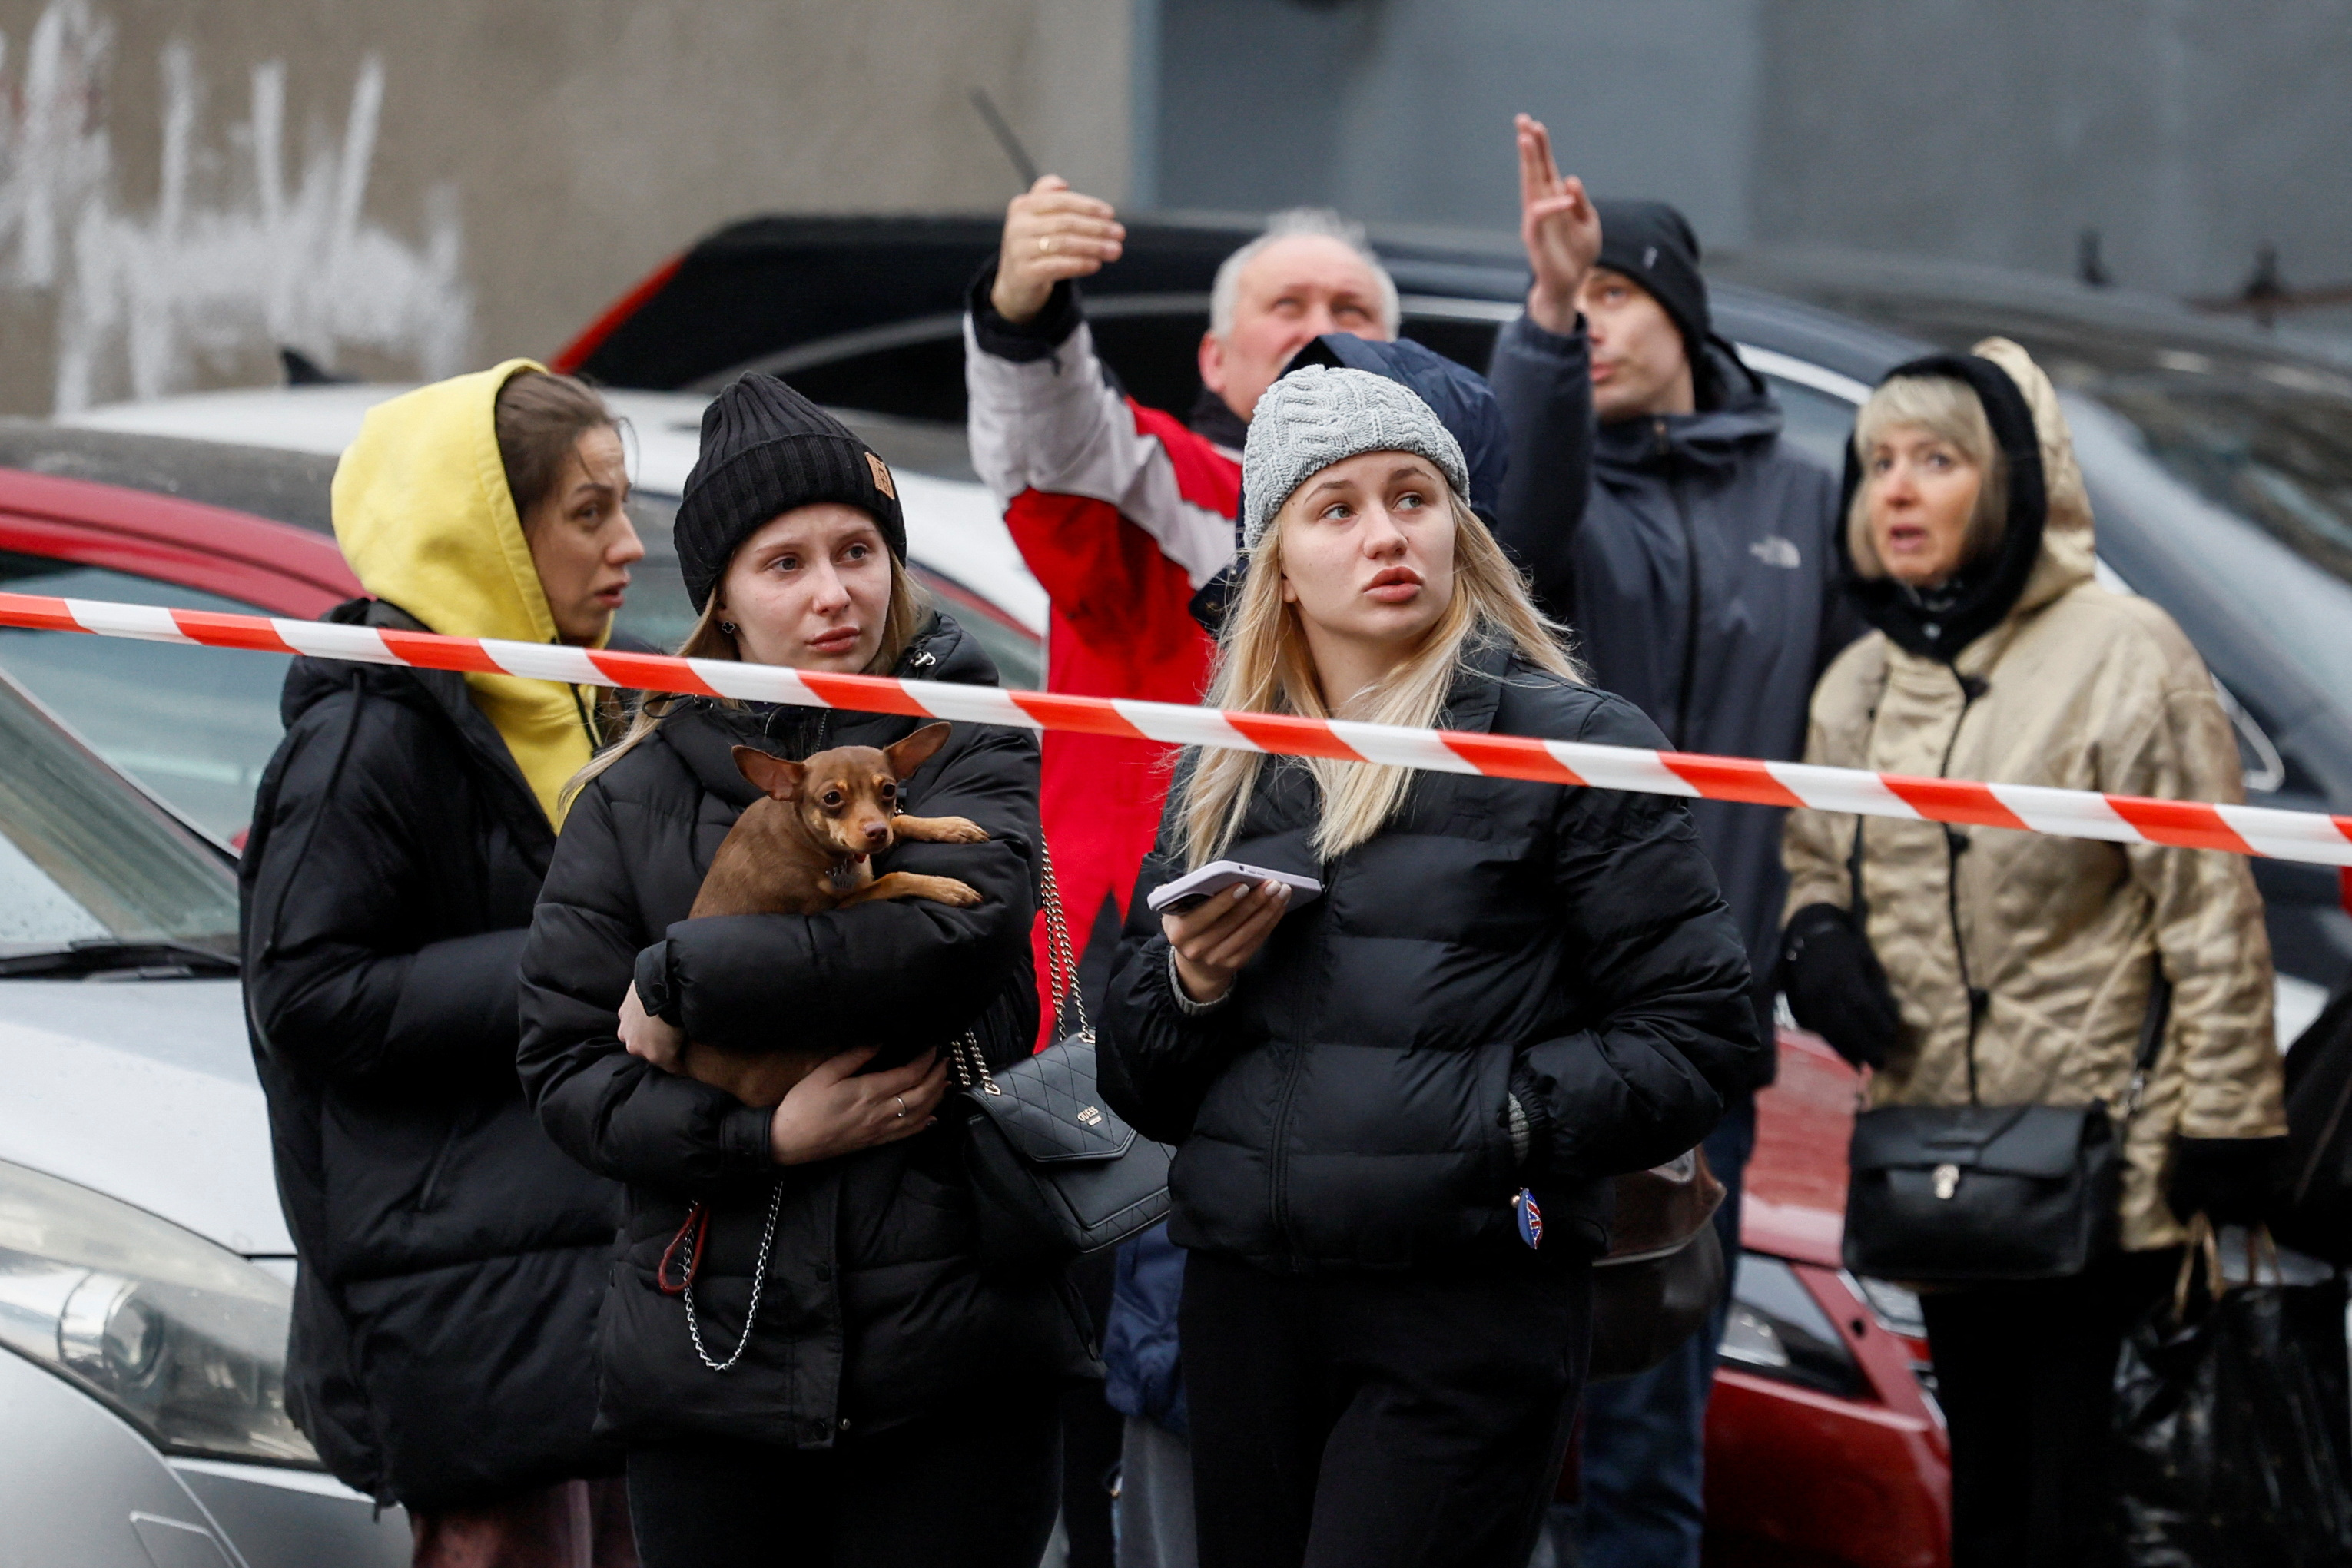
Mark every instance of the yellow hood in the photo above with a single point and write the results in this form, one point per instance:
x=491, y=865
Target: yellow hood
x=424, y=516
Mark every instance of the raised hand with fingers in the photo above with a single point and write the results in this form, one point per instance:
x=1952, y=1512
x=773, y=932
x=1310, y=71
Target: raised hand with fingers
x=1558, y=226
x=1050, y=233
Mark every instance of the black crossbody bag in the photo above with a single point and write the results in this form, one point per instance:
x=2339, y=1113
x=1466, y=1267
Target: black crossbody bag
x=1974, y=1193
x=1057, y=1173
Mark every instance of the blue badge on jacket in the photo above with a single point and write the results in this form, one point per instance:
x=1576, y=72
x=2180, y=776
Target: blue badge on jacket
x=1530, y=1215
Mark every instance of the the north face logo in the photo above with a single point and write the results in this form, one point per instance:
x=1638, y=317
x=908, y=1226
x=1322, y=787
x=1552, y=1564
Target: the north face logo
x=1774, y=550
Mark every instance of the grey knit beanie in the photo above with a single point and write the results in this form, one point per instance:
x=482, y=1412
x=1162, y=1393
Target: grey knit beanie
x=1316, y=416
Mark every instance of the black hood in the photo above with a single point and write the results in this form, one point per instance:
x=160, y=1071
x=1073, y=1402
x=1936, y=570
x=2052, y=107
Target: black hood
x=1939, y=623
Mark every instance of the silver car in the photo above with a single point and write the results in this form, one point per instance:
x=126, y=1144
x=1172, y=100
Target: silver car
x=145, y=1271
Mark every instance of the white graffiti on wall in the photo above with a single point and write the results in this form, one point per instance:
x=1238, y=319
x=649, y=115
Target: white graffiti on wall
x=232, y=260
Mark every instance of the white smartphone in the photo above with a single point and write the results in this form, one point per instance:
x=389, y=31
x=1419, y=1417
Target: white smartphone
x=1218, y=875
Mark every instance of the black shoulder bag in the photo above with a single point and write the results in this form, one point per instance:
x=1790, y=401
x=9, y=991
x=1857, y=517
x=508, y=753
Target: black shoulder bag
x=1056, y=1171
x=1964, y=1195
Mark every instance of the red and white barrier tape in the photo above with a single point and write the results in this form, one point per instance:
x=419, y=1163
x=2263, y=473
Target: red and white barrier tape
x=2078, y=813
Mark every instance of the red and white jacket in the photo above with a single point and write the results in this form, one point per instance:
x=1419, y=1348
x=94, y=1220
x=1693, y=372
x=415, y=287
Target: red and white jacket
x=1123, y=514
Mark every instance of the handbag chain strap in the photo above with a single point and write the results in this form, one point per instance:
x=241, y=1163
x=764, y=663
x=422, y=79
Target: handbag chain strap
x=758, y=1282
x=965, y=1056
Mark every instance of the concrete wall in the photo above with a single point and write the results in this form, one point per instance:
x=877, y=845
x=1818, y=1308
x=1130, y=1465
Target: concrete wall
x=2187, y=131
x=418, y=188
x=1401, y=110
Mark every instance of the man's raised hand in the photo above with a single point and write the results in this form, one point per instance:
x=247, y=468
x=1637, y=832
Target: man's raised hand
x=1050, y=233
x=1558, y=226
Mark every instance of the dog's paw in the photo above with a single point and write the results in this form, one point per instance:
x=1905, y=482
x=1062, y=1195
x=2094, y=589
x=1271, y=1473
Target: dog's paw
x=959, y=831
x=948, y=890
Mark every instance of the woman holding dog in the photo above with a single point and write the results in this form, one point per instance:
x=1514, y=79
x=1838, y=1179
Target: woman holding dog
x=1396, y=1105
x=800, y=1349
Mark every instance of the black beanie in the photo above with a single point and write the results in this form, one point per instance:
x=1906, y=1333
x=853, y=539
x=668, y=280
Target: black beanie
x=1651, y=244
x=765, y=450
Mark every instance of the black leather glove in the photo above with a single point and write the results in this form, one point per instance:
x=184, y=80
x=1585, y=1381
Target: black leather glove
x=1835, y=986
x=2230, y=1181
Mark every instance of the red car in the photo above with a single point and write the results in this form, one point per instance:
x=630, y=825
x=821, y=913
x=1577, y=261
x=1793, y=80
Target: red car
x=1824, y=1445
x=193, y=726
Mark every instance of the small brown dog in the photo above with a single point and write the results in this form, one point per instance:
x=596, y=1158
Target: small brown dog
x=809, y=846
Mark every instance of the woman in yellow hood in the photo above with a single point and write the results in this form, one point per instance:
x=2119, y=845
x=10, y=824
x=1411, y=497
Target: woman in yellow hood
x=451, y=1256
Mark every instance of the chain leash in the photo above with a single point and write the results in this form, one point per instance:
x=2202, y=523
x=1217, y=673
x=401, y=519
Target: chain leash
x=758, y=1283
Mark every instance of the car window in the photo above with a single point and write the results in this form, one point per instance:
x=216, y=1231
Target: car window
x=84, y=857
x=196, y=726
x=1816, y=423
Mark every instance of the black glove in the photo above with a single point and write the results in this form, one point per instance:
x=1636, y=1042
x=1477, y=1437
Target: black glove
x=1835, y=986
x=2230, y=1181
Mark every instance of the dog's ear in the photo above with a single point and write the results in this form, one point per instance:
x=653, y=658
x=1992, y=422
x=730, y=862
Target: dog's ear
x=771, y=776
x=916, y=749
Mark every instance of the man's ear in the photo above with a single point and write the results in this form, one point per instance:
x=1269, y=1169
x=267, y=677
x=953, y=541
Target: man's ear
x=916, y=749
x=1212, y=364
x=771, y=776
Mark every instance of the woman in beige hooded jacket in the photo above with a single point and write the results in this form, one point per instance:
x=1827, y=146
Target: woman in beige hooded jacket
x=2020, y=968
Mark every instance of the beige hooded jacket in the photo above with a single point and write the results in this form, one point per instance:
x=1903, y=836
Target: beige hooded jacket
x=2086, y=689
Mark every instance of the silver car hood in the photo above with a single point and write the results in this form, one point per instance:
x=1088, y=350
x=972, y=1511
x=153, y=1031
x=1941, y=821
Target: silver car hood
x=144, y=1091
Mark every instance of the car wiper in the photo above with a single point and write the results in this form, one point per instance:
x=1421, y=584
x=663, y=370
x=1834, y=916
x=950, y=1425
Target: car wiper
x=106, y=955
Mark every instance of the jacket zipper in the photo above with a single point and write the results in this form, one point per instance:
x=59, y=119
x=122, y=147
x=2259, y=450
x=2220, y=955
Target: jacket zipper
x=1278, y=1162
x=1954, y=841
x=1686, y=685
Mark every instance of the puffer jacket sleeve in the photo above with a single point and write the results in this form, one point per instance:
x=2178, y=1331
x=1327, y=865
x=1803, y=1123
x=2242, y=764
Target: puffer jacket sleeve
x=338, y=986
x=1157, y=1058
x=904, y=973
x=2210, y=934
x=616, y=1114
x=1671, y=1031
x=1544, y=382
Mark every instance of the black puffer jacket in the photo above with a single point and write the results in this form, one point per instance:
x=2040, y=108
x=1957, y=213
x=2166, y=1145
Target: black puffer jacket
x=1696, y=557
x=452, y=1256
x=1347, y=1106
x=874, y=1309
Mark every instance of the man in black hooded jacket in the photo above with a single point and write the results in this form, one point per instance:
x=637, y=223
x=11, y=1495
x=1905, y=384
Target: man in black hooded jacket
x=1695, y=555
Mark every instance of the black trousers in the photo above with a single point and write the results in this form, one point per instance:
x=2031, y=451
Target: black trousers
x=977, y=1487
x=1379, y=1421
x=2026, y=1375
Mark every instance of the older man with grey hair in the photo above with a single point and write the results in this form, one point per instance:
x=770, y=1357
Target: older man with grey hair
x=1124, y=513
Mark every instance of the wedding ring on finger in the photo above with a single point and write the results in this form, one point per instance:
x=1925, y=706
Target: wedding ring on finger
x=1044, y=245
x=902, y=1106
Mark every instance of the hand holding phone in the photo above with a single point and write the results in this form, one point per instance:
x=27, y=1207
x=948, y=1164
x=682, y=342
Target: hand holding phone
x=1215, y=934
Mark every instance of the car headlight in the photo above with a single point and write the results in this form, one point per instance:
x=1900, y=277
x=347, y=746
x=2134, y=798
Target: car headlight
x=1775, y=1329
x=184, y=1338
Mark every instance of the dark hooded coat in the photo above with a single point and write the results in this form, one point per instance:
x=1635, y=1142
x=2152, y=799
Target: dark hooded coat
x=874, y=1309
x=452, y=1256
x=1695, y=557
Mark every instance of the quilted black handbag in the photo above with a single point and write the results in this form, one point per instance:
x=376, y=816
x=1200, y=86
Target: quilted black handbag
x=1056, y=1171
x=1961, y=1195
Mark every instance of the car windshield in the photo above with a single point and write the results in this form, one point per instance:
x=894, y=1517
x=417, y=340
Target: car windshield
x=194, y=727
x=85, y=858
x=2260, y=476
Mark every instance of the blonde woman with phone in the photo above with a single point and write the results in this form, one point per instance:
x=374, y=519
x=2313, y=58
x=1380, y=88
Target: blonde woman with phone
x=1396, y=1105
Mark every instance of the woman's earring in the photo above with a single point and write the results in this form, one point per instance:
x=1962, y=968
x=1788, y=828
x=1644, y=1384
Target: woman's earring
x=727, y=627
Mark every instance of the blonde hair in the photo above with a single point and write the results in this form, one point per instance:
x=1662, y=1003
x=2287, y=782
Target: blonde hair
x=1263, y=665
x=900, y=622
x=1948, y=410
